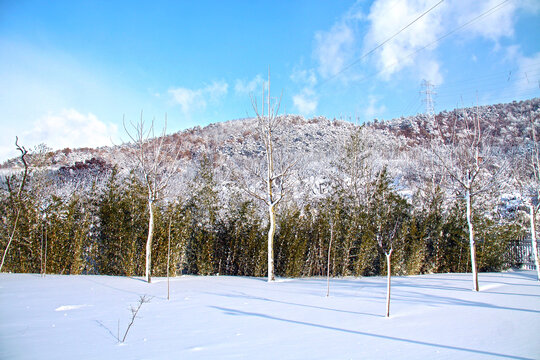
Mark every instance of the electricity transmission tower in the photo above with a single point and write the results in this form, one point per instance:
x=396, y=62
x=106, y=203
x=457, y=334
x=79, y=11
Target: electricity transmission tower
x=428, y=87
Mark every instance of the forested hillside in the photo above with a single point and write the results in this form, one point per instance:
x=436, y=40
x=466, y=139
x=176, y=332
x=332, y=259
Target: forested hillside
x=347, y=189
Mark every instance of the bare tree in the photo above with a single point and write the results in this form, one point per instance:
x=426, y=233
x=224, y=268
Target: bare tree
x=274, y=171
x=16, y=200
x=354, y=178
x=356, y=167
x=387, y=217
x=157, y=161
x=527, y=176
x=534, y=204
x=143, y=299
x=466, y=155
x=388, y=248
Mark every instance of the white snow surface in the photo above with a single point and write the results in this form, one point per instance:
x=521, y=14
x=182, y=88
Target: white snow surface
x=220, y=317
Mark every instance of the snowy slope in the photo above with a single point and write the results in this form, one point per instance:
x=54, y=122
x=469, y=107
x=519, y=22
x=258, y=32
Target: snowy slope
x=432, y=316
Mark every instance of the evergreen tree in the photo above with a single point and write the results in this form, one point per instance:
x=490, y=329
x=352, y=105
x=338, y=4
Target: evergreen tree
x=122, y=226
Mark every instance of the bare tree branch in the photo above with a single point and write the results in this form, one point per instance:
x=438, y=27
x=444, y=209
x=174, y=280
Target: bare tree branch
x=17, y=204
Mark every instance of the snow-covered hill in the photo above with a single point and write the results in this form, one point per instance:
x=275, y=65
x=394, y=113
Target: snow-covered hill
x=316, y=144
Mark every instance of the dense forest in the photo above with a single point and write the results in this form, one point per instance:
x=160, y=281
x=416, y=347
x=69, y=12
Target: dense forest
x=350, y=189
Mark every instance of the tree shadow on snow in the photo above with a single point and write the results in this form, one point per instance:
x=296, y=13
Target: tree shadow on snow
x=236, y=312
x=251, y=297
x=430, y=299
x=87, y=278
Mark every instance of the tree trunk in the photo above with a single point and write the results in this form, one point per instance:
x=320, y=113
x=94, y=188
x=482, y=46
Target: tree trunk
x=10, y=239
x=149, y=242
x=471, y=241
x=388, y=282
x=533, y=239
x=271, y=233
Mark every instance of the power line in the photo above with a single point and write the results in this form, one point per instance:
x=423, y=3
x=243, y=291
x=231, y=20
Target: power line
x=488, y=12
x=379, y=46
x=462, y=26
x=531, y=68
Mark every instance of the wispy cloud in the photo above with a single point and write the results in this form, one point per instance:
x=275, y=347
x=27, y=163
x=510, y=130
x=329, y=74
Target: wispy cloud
x=373, y=110
x=306, y=100
x=342, y=44
x=499, y=23
x=334, y=48
x=246, y=87
x=526, y=80
x=197, y=99
x=304, y=77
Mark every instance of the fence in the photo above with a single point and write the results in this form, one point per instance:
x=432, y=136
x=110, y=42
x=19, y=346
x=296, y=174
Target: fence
x=520, y=254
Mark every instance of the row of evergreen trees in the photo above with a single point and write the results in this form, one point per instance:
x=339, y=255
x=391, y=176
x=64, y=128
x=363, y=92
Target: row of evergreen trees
x=102, y=230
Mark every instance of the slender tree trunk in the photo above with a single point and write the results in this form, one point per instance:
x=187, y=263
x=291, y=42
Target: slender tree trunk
x=41, y=253
x=388, y=280
x=533, y=240
x=328, y=263
x=45, y=261
x=271, y=233
x=10, y=239
x=471, y=240
x=168, y=259
x=149, y=241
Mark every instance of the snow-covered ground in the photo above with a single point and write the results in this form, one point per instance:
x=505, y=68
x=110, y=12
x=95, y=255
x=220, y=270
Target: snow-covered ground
x=432, y=317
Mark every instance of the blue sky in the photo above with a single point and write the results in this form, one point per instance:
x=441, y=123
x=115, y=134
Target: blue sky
x=70, y=70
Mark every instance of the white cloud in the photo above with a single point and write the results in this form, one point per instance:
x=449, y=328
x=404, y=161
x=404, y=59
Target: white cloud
x=429, y=69
x=69, y=128
x=196, y=99
x=305, y=77
x=496, y=24
x=386, y=18
x=527, y=78
x=305, y=102
x=334, y=48
x=530, y=6
x=216, y=90
x=187, y=98
x=372, y=111
x=248, y=87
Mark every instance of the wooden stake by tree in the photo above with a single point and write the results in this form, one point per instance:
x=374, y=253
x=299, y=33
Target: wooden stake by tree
x=168, y=259
x=328, y=262
x=157, y=161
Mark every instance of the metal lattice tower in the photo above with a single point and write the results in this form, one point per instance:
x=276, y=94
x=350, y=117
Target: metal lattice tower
x=429, y=94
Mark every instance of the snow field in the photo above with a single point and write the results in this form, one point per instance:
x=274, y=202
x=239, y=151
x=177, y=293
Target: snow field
x=432, y=317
